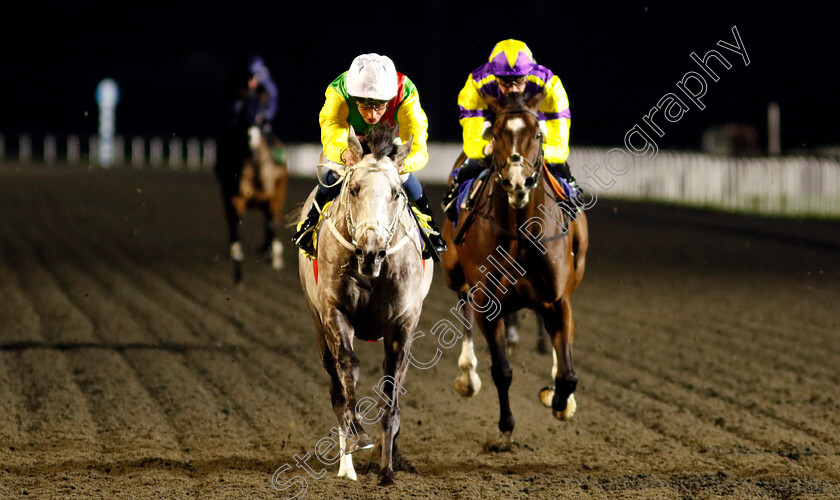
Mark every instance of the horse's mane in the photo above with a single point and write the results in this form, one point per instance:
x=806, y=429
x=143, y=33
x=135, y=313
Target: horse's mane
x=380, y=140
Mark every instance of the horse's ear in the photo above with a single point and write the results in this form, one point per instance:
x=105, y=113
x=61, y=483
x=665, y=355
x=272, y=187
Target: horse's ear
x=402, y=151
x=354, y=145
x=535, y=102
x=493, y=103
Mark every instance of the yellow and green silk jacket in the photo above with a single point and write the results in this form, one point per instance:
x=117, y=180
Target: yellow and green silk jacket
x=339, y=113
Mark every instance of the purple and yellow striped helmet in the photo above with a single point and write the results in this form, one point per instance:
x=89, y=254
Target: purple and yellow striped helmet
x=511, y=58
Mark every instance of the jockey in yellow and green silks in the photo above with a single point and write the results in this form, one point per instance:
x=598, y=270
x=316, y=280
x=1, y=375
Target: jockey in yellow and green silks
x=510, y=68
x=369, y=93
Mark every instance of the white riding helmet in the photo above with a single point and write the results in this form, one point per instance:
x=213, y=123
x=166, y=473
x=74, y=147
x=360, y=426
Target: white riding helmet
x=372, y=76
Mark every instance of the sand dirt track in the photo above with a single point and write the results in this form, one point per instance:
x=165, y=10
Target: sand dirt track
x=707, y=350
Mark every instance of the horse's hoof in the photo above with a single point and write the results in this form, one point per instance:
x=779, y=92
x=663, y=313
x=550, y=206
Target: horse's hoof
x=468, y=386
x=364, y=443
x=569, y=411
x=386, y=478
x=503, y=443
x=547, y=396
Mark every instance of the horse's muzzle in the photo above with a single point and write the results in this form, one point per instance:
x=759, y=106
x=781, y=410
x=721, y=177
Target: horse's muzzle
x=370, y=262
x=518, y=186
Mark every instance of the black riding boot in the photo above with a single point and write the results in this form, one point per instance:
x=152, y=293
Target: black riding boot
x=304, y=237
x=439, y=245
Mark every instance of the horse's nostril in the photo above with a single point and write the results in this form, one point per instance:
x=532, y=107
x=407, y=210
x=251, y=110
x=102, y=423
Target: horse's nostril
x=506, y=183
x=529, y=182
x=381, y=254
x=359, y=252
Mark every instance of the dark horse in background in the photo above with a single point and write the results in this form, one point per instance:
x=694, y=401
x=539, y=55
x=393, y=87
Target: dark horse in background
x=252, y=177
x=516, y=248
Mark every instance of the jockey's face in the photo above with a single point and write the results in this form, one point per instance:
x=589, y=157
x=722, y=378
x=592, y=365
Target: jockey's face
x=508, y=84
x=253, y=82
x=372, y=112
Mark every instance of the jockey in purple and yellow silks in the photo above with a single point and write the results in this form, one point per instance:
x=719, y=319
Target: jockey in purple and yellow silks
x=510, y=68
x=369, y=93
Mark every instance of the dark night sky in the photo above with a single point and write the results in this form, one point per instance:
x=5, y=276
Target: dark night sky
x=171, y=60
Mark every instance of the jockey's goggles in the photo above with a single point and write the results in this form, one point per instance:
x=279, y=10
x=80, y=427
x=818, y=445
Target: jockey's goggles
x=510, y=81
x=371, y=104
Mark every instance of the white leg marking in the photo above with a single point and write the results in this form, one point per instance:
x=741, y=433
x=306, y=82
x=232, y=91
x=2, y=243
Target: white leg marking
x=547, y=395
x=345, y=468
x=276, y=254
x=468, y=383
x=236, y=252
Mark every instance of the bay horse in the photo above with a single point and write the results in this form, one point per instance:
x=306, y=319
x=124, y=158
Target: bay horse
x=521, y=250
x=368, y=281
x=260, y=183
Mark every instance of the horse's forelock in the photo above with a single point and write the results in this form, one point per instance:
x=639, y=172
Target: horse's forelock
x=380, y=140
x=515, y=100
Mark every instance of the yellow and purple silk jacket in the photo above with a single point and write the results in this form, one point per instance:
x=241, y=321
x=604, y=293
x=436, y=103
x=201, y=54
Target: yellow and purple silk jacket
x=554, y=111
x=339, y=113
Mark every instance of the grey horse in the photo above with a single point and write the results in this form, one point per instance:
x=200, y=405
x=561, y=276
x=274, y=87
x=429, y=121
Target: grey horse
x=368, y=281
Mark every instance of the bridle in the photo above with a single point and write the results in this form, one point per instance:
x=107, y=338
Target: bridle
x=354, y=227
x=496, y=169
x=516, y=157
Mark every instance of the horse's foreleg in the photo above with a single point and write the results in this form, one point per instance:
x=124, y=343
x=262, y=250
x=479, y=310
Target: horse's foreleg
x=494, y=332
x=339, y=343
x=468, y=383
x=561, y=328
x=389, y=388
x=338, y=402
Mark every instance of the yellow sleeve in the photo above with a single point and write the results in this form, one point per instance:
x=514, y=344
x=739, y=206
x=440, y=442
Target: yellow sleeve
x=413, y=121
x=556, y=102
x=334, y=126
x=472, y=108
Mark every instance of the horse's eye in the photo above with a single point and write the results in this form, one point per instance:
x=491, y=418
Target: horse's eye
x=395, y=194
x=354, y=190
x=539, y=136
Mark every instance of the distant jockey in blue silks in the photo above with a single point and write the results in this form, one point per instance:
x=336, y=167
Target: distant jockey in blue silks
x=257, y=99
